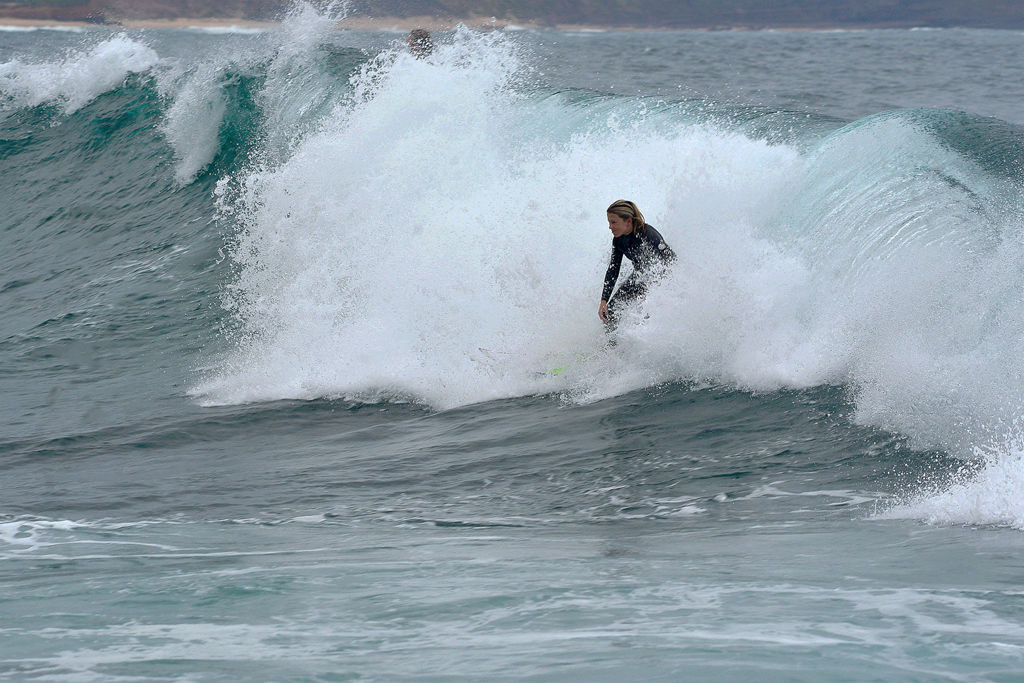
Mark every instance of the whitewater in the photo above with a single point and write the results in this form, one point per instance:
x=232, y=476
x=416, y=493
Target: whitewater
x=303, y=377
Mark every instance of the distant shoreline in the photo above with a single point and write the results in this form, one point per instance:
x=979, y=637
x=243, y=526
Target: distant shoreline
x=181, y=22
x=408, y=23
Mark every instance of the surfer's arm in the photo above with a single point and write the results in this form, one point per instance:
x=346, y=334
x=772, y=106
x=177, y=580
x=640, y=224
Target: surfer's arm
x=610, y=277
x=612, y=274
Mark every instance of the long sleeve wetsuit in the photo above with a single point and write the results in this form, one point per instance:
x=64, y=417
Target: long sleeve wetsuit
x=646, y=249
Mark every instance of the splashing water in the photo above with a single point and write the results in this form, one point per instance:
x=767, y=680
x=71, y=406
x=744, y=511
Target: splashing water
x=77, y=79
x=438, y=235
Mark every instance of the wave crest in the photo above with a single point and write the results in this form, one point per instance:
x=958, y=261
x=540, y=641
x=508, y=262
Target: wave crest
x=78, y=78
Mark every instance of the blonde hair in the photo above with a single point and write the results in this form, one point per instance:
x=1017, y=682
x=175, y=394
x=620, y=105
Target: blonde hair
x=623, y=208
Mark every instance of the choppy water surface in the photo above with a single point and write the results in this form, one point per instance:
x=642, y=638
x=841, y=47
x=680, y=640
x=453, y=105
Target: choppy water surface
x=280, y=312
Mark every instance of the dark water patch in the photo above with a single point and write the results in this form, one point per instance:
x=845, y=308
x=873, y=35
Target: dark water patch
x=209, y=425
x=237, y=137
x=14, y=284
x=523, y=461
x=17, y=131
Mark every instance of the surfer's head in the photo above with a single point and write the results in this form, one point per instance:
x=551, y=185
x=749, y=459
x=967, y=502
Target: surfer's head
x=419, y=42
x=624, y=218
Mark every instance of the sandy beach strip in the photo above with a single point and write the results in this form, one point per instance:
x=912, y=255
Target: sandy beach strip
x=356, y=23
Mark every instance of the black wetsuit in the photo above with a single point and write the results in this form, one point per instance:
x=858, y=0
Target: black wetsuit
x=648, y=251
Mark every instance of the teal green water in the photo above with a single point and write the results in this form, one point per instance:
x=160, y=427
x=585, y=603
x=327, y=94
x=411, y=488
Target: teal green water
x=278, y=310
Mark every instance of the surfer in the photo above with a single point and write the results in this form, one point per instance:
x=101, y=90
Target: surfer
x=420, y=42
x=633, y=238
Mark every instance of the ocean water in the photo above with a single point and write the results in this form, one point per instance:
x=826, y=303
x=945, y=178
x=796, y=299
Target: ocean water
x=280, y=315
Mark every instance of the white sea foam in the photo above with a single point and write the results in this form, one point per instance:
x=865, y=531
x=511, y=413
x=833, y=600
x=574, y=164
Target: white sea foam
x=26, y=535
x=32, y=535
x=78, y=78
x=228, y=30
x=32, y=29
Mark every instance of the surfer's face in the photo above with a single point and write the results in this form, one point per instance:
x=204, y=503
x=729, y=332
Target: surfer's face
x=619, y=226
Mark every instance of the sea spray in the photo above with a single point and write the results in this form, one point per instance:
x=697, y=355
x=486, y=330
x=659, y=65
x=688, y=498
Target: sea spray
x=297, y=89
x=439, y=235
x=986, y=490
x=292, y=90
x=431, y=217
x=193, y=120
x=74, y=81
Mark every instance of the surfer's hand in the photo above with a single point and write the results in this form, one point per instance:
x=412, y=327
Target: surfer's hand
x=602, y=311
